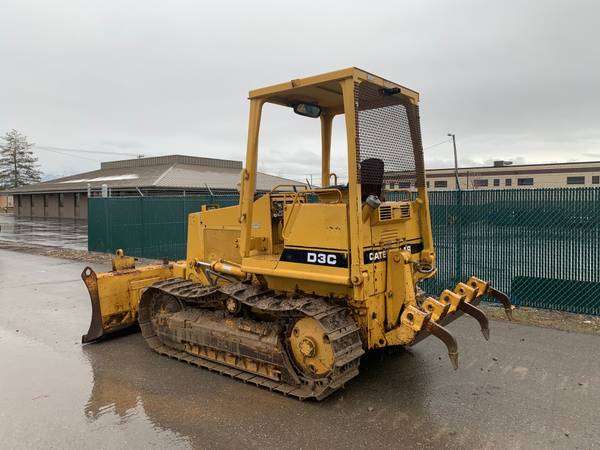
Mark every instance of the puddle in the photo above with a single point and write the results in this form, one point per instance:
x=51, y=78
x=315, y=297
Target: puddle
x=47, y=400
x=528, y=384
x=65, y=233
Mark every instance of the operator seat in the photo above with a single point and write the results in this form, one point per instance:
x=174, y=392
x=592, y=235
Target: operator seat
x=371, y=177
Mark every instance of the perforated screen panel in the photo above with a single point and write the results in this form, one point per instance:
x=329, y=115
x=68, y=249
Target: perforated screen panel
x=388, y=140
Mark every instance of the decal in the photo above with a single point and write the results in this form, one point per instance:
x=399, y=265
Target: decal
x=338, y=259
x=415, y=248
x=374, y=255
x=317, y=257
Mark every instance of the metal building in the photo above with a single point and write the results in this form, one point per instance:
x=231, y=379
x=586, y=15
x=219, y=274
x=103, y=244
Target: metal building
x=6, y=202
x=505, y=175
x=162, y=175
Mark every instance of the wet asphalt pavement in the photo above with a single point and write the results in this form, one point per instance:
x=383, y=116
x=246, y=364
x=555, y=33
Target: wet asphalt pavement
x=64, y=233
x=528, y=388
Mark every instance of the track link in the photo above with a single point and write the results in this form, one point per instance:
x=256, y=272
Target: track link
x=172, y=334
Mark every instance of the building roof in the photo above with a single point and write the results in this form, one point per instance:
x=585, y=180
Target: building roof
x=172, y=159
x=161, y=172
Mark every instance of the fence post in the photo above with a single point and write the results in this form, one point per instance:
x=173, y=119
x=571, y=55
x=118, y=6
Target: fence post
x=458, y=237
x=107, y=223
x=184, y=228
x=143, y=227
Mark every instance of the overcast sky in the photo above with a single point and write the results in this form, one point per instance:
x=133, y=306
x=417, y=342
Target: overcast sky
x=516, y=80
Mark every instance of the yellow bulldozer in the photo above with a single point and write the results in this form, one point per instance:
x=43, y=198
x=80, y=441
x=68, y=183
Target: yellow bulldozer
x=290, y=288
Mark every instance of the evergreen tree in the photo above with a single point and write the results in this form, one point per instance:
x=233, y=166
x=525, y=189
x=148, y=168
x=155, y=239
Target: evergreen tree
x=18, y=165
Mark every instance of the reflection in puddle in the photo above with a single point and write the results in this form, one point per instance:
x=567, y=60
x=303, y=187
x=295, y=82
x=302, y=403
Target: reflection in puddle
x=207, y=410
x=66, y=233
x=46, y=387
x=118, y=402
x=127, y=388
x=134, y=420
x=119, y=394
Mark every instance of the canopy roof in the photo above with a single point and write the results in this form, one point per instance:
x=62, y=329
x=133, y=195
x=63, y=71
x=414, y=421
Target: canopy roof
x=324, y=90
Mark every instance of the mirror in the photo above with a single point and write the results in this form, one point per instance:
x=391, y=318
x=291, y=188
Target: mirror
x=307, y=110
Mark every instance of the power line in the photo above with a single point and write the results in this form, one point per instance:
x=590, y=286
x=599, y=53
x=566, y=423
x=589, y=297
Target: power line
x=78, y=150
x=69, y=154
x=439, y=143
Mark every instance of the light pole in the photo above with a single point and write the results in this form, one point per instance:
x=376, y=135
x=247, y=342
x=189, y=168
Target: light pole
x=455, y=160
x=458, y=223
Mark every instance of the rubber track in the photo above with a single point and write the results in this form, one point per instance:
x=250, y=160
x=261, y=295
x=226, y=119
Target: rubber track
x=336, y=320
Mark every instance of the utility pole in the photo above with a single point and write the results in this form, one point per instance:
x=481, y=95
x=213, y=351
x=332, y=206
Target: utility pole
x=458, y=218
x=455, y=160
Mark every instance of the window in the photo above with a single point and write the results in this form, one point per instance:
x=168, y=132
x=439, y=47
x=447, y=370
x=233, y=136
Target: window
x=440, y=184
x=596, y=179
x=61, y=200
x=575, y=180
x=508, y=182
x=496, y=182
x=480, y=183
x=404, y=184
x=428, y=184
x=524, y=181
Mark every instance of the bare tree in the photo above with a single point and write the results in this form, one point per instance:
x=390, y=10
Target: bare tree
x=18, y=165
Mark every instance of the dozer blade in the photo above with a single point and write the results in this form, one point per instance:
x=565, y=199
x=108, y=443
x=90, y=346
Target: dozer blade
x=115, y=296
x=102, y=323
x=91, y=282
x=446, y=337
x=478, y=315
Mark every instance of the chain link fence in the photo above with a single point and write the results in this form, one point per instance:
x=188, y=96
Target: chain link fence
x=148, y=227
x=540, y=246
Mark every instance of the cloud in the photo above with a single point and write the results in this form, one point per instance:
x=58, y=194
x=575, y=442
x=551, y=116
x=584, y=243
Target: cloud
x=174, y=77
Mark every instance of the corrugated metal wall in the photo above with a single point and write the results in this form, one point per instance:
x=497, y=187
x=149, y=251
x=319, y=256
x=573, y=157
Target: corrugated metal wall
x=541, y=246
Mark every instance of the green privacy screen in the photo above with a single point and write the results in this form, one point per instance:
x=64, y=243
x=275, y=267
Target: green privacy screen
x=148, y=227
x=540, y=246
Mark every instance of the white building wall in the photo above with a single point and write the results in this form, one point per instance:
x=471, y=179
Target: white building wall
x=542, y=176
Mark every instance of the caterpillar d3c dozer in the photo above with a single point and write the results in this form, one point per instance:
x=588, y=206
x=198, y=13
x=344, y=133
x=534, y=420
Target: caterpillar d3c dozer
x=290, y=288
